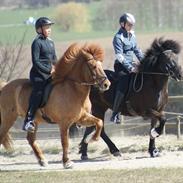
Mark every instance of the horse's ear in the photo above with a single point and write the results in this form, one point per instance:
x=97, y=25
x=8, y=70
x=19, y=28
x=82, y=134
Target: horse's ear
x=86, y=55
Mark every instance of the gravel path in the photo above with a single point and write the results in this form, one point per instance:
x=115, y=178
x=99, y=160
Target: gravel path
x=24, y=159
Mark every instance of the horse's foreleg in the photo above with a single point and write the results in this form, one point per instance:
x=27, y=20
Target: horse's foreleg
x=90, y=120
x=31, y=137
x=153, y=151
x=156, y=132
x=160, y=128
x=64, y=133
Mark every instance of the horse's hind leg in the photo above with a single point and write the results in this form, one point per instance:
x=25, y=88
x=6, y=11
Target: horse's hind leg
x=112, y=148
x=6, y=122
x=99, y=112
x=31, y=137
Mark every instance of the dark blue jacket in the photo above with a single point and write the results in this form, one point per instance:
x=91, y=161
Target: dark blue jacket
x=43, y=57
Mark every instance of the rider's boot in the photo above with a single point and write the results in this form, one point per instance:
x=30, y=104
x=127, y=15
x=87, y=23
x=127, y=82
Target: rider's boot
x=29, y=125
x=117, y=101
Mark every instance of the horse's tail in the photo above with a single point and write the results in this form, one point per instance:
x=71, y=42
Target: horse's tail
x=7, y=140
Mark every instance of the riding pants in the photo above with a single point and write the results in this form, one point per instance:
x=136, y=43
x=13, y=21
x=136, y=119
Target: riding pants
x=38, y=86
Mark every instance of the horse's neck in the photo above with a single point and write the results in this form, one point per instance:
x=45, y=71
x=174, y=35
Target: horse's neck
x=77, y=73
x=82, y=91
x=76, y=81
x=160, y=82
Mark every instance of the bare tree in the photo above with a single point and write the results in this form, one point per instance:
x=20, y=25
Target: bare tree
x=11, y=57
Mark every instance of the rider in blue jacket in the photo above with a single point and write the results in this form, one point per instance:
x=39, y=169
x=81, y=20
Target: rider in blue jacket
x=43, y=61
x=125, y=46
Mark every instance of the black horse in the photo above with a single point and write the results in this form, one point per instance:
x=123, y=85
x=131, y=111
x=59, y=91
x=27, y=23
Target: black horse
x=147, y=96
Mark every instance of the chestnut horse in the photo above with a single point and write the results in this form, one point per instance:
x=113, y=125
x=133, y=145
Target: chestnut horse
x=148, y=101
x=78, y=69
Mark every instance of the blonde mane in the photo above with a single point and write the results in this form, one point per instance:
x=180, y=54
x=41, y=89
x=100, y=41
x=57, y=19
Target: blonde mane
x=74, y=53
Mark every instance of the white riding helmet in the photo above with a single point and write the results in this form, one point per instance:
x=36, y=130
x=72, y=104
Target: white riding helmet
x=127, y=17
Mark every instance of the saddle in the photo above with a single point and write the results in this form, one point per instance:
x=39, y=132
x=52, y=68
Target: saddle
x=134, y=85
x=135, y=81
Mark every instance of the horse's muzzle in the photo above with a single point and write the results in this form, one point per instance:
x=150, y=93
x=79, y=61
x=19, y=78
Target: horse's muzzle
x=104, y=84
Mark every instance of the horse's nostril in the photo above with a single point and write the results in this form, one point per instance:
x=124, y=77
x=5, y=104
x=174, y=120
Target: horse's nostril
x=105, y=85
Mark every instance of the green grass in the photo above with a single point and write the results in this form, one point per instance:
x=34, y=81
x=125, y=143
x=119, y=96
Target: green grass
x=15, y=18
x=150, y=175
x=15, y=34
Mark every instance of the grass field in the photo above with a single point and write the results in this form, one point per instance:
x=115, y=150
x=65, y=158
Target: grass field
x=149, y=175
x=12, y=25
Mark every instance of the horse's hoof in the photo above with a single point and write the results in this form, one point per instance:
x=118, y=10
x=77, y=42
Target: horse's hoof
x=84, y=157
x=117, y=154
x=154, y=153
x=154, y=133
x=43, y=163
x=68, y=165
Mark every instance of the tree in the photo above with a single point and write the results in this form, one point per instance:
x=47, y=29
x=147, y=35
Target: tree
x=12, y=60
x=150, y=15
x=73, y=16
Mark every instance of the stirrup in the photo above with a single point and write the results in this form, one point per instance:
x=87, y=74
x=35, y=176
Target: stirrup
x=29, y=127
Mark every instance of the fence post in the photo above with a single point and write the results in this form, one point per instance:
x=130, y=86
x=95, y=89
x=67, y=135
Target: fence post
x=164, y=130
x=122, y=119
x=178, y=127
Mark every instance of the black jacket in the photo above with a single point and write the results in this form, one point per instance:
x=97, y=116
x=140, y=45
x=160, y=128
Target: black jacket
x=43, y=56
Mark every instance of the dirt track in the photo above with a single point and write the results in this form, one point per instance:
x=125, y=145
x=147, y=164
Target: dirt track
x=23, y=158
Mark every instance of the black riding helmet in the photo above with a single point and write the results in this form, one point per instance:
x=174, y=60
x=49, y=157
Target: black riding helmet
x=127, y=17
x=42, y=21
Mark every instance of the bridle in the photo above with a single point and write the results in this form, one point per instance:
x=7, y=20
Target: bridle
x=95, y=80
x=168, y=74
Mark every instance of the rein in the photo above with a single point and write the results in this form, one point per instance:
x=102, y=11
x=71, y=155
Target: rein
x=155, y=73
x=83, y=83
x=142, y=79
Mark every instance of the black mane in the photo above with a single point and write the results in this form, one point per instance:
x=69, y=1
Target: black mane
x=157, y=47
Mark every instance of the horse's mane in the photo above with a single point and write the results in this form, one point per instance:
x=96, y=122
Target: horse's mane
x=157, y=47
x=74, y=53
